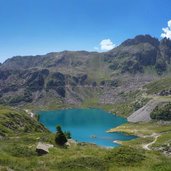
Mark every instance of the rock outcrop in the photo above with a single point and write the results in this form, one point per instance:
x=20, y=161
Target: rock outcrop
x=43, y=148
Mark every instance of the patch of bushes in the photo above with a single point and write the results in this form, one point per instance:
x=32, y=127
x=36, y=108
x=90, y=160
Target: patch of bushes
x=162, y=113
x=83, y=163
x=126, y=156
x=21, y=151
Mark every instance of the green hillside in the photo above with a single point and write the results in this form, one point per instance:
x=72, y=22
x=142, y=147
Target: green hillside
x=15, y=121
x=18, y=153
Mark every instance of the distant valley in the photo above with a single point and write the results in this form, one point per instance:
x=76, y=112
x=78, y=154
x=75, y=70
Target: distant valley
x=132, y=80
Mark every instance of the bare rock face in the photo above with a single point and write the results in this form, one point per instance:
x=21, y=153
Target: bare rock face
x=43, y=148
x=165, y=49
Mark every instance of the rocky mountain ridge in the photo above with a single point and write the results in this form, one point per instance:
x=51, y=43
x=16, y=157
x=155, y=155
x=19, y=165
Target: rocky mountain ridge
x=74, y=76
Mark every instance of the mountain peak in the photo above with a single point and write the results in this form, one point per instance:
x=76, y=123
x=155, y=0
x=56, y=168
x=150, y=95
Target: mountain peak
x=166, y=42
x=141, y=39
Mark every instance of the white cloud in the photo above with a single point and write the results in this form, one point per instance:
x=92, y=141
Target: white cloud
x=167, y=31
x=106, y=45
x=169, y=23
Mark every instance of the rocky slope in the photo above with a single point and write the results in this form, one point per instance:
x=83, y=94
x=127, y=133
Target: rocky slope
x=73, y=77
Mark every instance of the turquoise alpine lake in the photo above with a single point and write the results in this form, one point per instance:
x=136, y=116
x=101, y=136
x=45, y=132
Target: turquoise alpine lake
x=86, y=125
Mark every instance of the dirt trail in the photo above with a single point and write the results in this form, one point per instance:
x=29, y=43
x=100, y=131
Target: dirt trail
x=147, y=146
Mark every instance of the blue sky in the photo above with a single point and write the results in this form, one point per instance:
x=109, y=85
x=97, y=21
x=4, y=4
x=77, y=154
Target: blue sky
x=30, y=27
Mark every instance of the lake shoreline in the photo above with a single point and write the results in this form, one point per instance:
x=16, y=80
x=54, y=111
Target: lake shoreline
x=80, y=122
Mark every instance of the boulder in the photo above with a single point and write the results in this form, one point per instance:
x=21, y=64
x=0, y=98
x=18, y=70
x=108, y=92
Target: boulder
x=70, y=142
x=43, y=148
x=67, y=144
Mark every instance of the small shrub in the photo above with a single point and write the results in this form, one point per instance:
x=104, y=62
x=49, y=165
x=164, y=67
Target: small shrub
x=60, y=137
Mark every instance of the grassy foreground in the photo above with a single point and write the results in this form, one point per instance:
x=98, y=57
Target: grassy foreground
x=18, y=153
x=18, y=144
